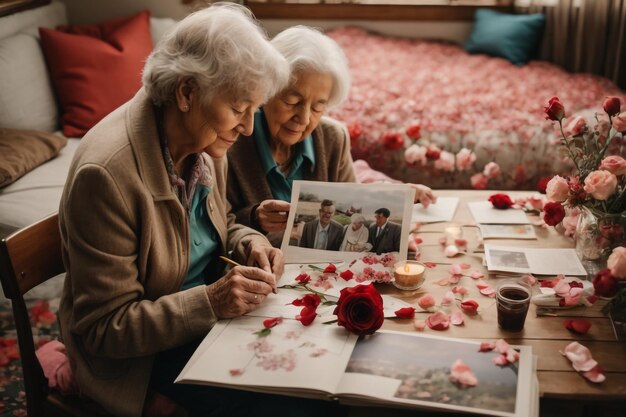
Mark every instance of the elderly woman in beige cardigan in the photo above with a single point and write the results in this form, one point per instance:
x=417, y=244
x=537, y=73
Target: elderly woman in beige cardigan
x=292, y=139
x=144, y=218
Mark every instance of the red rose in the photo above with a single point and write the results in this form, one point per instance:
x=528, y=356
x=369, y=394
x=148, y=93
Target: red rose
x=501, y=201
x=330, y=269
x=553, y=213
x=612, y=105
x=405, y=313
x=604, y=284
x=433, y=152
x=580, y=326
x=393, y=141
x=413, y=132
x=554, y=110
x=360, y=309
x=542, y=184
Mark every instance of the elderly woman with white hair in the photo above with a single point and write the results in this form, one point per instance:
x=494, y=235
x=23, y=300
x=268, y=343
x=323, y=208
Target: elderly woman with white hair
x=355, y=235
x=144, y=219
x=292, y=139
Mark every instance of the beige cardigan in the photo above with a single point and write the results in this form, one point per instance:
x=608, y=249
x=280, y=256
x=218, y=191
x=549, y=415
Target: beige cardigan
x=125, y=247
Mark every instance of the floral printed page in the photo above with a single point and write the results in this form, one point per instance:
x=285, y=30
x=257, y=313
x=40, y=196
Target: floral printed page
x=289, y=358
x=484, y=212
x=322, y=216
x=422, y=371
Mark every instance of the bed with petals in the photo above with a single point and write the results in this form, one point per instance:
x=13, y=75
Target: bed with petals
x=479, y=119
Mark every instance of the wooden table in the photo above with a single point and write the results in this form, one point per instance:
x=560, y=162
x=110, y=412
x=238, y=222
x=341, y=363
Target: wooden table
x=563, y=391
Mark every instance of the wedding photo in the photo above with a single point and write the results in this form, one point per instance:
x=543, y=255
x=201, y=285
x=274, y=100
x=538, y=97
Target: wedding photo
x=348, y=218
x=509, y=259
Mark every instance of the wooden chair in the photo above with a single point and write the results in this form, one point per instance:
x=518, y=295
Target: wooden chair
x=30, y=257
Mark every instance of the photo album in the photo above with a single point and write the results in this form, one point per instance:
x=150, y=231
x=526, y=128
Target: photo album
x=407, y=370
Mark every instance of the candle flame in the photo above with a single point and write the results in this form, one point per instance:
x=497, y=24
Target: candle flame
x=406, y=268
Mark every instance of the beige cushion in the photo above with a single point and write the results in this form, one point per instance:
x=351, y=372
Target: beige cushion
x=23, y=150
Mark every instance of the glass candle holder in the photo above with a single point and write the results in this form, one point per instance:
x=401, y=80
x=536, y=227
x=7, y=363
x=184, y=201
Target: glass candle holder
x=408, y=275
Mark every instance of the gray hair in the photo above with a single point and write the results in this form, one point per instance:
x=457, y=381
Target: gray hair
x=222, y=47
x=357, y=218
x=307, y=49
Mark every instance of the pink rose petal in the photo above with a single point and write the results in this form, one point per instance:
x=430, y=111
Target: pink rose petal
x=451, y=251
x=502, y=346
x=487, y=346
x=447, y=299
x=443, y=281
x=456, y=269
x=426, y=301
x=500, y=360
x=438, y=321
x=457, y=318
x=419, y=325
x=462, y=375
x=480, y=284
x=236, y=372
x=580, y=357
x=460, y=290
x=488, y=291
x=477, y=275
x=469, y=306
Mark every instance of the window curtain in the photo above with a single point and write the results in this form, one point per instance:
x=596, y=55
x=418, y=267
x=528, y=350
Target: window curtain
x=584, y=35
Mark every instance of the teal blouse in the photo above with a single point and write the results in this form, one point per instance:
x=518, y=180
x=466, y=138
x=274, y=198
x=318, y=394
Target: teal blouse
x=303, y=158
x=203, y=239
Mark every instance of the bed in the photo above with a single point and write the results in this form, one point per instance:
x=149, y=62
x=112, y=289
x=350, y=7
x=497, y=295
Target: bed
x=456, y=100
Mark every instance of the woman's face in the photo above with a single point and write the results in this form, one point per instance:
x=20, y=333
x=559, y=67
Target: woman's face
x=356, y=226
x=295, y=112
x=215, y=126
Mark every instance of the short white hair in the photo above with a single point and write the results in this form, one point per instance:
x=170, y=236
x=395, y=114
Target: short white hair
x=307, y=49
x=222, y=47
x=357, y=218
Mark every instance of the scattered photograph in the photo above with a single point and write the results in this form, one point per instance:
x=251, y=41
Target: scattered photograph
x=509, y=259
x=347, y=219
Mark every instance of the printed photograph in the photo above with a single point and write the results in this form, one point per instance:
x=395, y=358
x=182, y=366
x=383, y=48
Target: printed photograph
x=509, y=259
x=349, y=218
x=423, y=367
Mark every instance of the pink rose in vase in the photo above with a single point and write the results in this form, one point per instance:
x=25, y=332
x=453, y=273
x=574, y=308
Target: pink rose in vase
x=464, y=159
x=492, y=170
x=479, y=181
x=619, y=123
x=600, y=184
x=557, y=189
x=616, y=165
x=617, y=262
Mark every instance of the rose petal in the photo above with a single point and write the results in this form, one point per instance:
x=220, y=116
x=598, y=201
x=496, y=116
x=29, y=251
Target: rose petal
x=457, y=318
x=346, y=275
x=456, y=269
x=419, y=325
x=460, y=290
x=443, y=281
x=580, y=357
x=500, y=360
x=476, y=275
x=426, y=301
x=480, y=284
x=502, y=346
x=469, y=306
x=438, y=321
x=269, y=323
x=487, y=346
x=488, y=291
x=405, y=313
x=430, y=264
x=465, y=266
x=596, y=374
x=451, y=251
x=462, y=375
x=448, y=298
x=236, y=372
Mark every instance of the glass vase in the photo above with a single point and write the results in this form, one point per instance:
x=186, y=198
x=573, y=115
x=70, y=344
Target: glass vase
x=596, y=235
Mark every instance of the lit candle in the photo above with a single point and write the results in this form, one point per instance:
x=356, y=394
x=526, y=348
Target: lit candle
x=409, y=275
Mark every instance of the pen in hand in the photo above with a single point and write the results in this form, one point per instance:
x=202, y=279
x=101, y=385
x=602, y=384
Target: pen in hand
x=234, y=263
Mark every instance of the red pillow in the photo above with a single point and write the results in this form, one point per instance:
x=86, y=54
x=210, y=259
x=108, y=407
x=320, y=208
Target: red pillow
x=96, y=68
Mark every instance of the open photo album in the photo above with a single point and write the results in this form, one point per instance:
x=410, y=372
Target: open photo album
x=387, y=368
x=334, y=222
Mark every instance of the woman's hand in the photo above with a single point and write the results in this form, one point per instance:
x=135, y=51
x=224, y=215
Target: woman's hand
x=272, y=215
x=262, y=254
x=240, y=291
x=423, y=194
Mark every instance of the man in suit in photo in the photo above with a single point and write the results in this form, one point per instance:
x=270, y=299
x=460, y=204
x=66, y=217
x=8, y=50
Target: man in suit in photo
x=384, y=235
x=323, y=233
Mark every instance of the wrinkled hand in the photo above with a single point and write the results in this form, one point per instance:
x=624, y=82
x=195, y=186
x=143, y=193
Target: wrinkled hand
x=262, y=254
x=272, y=215
x=240, y=291
x=423, y=194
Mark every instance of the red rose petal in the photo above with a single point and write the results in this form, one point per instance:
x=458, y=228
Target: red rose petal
x=405, y=313
x=347, y=275
x=580, y=326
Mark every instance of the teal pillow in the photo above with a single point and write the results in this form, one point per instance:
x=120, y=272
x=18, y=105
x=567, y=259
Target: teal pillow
x=509, y=36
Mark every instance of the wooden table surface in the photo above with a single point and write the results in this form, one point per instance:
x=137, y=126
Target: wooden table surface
x=547, y=335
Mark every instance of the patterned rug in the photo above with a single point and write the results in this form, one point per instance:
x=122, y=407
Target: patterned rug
x=41, y=304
